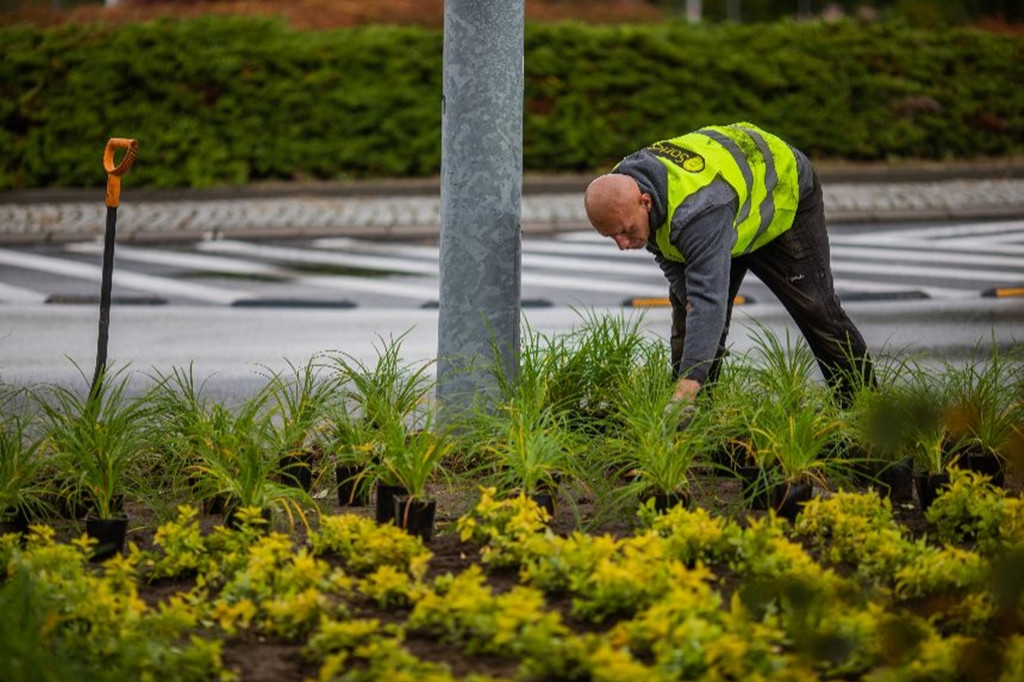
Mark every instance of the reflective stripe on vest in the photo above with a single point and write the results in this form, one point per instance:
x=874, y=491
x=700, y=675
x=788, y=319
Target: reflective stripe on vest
x=759, y=167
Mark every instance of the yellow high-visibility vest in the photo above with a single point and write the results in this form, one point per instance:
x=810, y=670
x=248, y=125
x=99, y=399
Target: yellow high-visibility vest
x=759, y=166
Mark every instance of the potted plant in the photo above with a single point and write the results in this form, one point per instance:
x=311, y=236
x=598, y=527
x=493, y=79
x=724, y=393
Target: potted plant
x=183, y=421
x=795, y=442
x=238, y=462
x=658, y=439
x=409, y=461
x=528, y=455
x=387, y=392
x=986, y=407
x=299, y=403
x=353, y=446
x=96, y=439
x=924, y=411
x=877, y=441
x=22, y=487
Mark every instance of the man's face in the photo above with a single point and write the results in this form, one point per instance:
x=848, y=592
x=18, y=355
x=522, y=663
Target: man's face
x=629, y=226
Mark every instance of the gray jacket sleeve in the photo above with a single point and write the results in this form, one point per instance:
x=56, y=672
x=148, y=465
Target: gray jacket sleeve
x=702, y=230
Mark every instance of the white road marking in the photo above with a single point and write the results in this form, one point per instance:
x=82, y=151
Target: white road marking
x=129, y=280
x=13, y=294
x=919, y=255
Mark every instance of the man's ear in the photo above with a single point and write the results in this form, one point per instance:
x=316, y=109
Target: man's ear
x=645, y=201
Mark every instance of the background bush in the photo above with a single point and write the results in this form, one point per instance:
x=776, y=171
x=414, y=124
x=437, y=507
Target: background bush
x=227, y=100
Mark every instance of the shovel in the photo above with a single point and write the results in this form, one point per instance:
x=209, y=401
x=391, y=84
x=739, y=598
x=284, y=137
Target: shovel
x=114, y=173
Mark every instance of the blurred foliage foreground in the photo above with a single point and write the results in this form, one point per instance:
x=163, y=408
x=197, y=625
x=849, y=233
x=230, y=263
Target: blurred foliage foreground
x=231, y=100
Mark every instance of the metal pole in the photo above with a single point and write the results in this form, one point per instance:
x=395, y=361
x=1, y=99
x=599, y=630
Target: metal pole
x=694, y=11
x=733, y=10
x=481, y=188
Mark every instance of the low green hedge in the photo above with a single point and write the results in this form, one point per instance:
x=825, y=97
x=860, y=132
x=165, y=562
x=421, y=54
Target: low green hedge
x=235, y=100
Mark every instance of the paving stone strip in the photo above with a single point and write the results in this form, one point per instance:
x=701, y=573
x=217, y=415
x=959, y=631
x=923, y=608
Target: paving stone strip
x=391, y=217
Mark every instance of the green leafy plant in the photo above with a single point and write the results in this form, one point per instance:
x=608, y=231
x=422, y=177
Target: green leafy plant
x=658, y=455
x=796, y=443
x=237, y=461
x=780, y=369
x=984, y=403
x=23, y=486
x=528, y=454
x=924, y=409
x=412, y=459
x=96, y=440
x=299, y=405
x=388, y=392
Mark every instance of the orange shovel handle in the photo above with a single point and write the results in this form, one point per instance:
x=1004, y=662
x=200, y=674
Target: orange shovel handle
x=115, y=171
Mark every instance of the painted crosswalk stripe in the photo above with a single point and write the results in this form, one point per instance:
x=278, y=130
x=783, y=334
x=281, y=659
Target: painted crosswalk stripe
x=903, y=271
x=180, y=259
x=371, y=262
x=128, y=280
x=570, y=262
x=848, y=284
x=13, y=294
x=287, y=254
x=927, y=255
x=934, y=232
x=419, y=292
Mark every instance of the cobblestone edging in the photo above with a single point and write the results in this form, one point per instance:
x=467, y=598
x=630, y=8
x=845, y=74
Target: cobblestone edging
x=408, y=216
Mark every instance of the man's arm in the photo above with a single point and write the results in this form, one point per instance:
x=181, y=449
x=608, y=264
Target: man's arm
x=706, y=243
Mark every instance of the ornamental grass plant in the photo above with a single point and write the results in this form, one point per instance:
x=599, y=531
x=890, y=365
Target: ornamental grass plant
x=528, y=454
x=657, y=440
x=237, y=463
x=412, y=459
x=924, y=409
x=299, y=402
x=986, y=403
x=23, y=481
x=95, y=441
x=387, y=392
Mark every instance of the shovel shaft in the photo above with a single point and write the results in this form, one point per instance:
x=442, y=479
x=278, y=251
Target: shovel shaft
x=106, y=284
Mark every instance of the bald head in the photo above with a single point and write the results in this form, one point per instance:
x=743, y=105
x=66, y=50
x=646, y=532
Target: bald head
x=616, y=208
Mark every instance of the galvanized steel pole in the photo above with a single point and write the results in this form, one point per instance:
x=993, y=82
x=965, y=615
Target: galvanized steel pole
x=481, y=188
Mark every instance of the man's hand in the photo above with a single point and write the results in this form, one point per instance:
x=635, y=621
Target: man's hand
x=683, y=399
x=686, y=390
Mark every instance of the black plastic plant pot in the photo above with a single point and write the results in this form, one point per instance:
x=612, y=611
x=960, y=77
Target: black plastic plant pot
x=929, y=487
x=755, y=491
x=895, y=480
x=109, y=535
x=545, y=499
x=216, y=504
x=14, y=520
x=385, y=507
x=297, y=470
x=665, y=501
x=352, y=492
x=415, y=516
x=989, y=465
x=728, y=457
x=788, y=499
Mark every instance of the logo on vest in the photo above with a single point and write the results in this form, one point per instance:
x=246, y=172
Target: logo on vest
x=684, y=158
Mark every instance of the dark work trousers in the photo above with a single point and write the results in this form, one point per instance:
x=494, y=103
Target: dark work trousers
x=795, y=266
